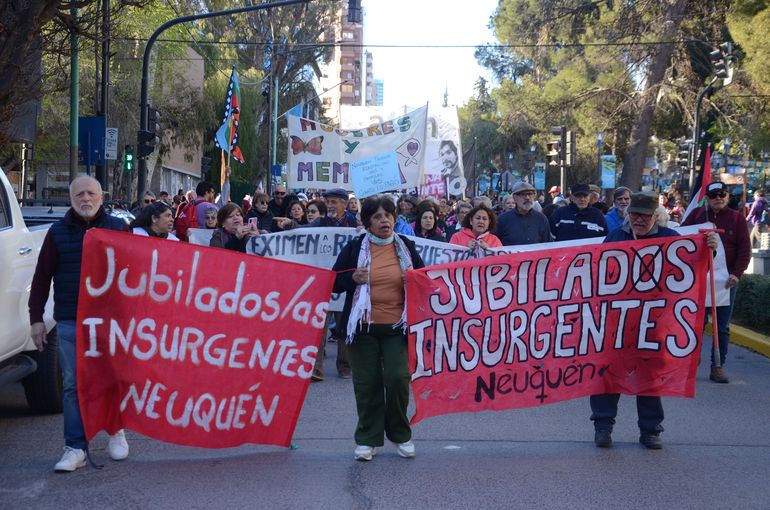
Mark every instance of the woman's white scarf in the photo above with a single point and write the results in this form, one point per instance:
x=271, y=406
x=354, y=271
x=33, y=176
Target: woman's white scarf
x=361, y=311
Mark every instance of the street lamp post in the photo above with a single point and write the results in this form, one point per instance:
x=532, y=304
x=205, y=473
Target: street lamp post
x=143, y=101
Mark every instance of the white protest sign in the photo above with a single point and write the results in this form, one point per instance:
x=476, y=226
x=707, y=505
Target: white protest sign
x=319, y=247
x=319, y=155
x=375, y=174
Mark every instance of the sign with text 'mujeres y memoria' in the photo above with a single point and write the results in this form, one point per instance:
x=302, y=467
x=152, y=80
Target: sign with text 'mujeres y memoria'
x=192, y=345
x=527, y=329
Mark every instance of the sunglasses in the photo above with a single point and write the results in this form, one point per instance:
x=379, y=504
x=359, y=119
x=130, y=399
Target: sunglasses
x=279, y=193
x=719, y=194
x=149, y=200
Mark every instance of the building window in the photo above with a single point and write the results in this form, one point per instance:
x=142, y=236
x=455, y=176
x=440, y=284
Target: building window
x=347, y=88
x=348, y=35
x=348, y=75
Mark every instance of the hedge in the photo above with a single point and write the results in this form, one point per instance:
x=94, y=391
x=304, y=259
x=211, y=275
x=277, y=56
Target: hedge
x=752, y=303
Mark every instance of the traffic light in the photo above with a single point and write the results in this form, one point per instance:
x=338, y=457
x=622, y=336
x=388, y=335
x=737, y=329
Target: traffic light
x=556, y=147
x=553, y=153
x=128, y=158
x=150, y=136
x=571, y=149
x=721, y=61
x=683, y=156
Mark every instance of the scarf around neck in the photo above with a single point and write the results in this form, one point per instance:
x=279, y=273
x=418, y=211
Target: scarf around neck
x=361, y=310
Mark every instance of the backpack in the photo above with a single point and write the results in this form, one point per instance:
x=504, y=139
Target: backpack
x=764, y=219
x=185, y=220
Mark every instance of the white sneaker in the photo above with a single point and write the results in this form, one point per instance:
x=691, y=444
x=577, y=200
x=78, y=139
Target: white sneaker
x=365, y=452
x=406, y=450
x=72, y=459
x=117, y=446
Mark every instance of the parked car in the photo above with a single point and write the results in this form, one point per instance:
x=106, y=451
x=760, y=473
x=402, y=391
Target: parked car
x=39, y=372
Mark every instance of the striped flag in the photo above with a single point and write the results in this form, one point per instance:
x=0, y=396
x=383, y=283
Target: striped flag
x=698, y=192
x=227, y=134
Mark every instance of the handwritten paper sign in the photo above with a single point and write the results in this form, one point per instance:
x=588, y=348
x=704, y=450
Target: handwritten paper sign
x=375, y=174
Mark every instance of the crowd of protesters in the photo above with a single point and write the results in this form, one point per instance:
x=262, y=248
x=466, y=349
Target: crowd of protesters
x=369, y=331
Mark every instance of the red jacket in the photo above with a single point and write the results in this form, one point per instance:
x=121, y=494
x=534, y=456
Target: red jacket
x=735, y=237
x=462, y=237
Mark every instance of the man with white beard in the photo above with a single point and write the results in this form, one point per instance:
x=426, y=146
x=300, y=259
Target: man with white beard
x=621, y=198
x=523, y=224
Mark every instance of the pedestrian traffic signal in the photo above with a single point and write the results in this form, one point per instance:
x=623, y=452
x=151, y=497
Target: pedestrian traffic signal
x=150, y=136
x=128, y=158
x=553, y=153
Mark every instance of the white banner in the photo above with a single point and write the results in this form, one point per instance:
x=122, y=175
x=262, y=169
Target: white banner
x=443, y=154
x=319, y=155
x=319, y=247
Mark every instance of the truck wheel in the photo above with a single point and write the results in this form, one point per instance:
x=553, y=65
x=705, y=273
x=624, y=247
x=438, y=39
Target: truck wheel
x=43, y=388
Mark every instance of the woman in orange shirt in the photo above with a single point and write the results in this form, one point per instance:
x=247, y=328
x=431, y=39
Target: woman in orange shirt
x=371, y=270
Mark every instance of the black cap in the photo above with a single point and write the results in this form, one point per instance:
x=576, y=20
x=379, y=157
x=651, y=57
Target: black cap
x=580, y=189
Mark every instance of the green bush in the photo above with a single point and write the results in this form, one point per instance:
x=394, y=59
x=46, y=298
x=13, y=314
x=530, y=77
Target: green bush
x=752, y=303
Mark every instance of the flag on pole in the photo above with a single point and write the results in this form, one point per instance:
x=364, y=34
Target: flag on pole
x=227, y=134
x=296, y=110
x=698, y=191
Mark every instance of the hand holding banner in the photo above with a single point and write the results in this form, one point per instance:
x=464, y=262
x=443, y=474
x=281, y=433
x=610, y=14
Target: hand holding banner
x=194, y=345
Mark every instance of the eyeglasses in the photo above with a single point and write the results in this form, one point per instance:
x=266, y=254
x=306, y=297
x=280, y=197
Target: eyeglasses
x=279, y=193
x=718, y=194
x=149, y=200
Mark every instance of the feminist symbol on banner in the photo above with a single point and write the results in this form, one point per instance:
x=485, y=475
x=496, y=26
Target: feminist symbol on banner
x=312, y=146
x=408, y=150
x=647, y=267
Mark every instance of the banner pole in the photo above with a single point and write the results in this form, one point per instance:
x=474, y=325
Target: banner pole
x=713, y=288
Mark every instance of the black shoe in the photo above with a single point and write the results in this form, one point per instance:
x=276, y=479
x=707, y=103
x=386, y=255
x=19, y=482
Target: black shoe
x=603, y=438
x=651, y=441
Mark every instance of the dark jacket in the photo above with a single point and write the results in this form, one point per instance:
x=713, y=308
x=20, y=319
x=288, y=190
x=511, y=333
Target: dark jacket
x=347, y=261
x=278, y=211
x=515, y=229
x=264, y=221
x=735, y=236
x=221, y=239
x=60, y=259
x=623, y=233
x=569, y=223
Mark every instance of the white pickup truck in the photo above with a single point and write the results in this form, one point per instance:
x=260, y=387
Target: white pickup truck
x=39, y=372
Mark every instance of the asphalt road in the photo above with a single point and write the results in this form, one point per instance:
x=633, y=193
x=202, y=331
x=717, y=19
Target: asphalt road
x=716, y=455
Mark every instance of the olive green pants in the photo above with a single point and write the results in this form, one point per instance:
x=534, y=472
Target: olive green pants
x=380, y=363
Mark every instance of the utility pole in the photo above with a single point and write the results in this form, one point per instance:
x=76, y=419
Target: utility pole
x=101, y=169
x=74, y=97
x=141, y=185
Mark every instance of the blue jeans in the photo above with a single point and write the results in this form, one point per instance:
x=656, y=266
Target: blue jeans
x=724, y=314
x=74, y=434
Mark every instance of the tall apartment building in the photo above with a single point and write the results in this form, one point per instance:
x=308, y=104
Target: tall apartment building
x=379, y=92
x=348, y=78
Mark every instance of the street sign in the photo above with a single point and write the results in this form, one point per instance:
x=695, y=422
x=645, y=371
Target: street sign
x=111, y=143
x=91, y=132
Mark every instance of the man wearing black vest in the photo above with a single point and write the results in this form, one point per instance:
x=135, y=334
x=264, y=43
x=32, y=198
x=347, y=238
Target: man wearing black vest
x=60, y=259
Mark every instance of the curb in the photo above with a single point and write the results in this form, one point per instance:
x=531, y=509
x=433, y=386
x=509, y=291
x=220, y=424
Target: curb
x=747, y=338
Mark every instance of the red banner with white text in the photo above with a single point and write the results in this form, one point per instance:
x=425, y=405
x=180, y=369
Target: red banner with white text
x=194, y=345
x=534, y=328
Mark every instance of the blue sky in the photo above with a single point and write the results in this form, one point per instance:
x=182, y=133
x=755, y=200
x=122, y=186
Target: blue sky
x=416, y=75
